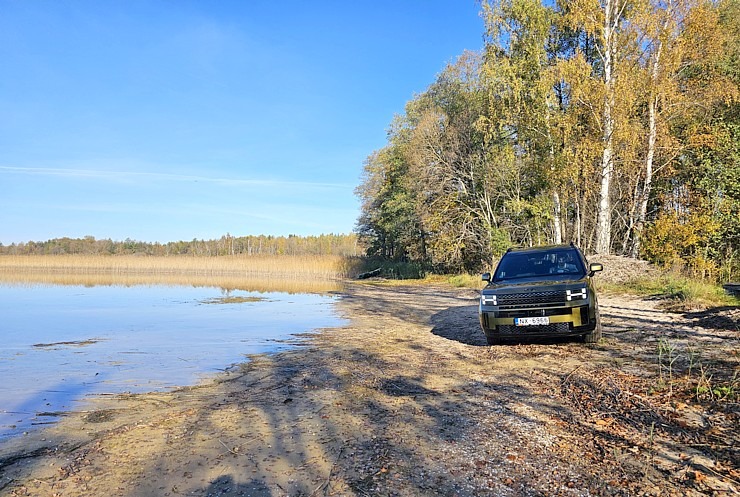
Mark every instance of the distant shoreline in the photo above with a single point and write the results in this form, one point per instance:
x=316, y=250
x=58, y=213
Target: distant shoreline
x=291, y=274
x=323, y=267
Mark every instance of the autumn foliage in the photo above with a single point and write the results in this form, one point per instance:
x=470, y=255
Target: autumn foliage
x=614, y=124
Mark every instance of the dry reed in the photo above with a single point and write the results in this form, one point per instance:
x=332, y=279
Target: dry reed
x=290, y=274
x=266, y=267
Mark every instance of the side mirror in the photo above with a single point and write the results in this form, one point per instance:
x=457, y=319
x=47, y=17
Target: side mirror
x=595, y=268
x=486, y=277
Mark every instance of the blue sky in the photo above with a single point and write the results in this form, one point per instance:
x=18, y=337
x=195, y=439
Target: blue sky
x=165, y=120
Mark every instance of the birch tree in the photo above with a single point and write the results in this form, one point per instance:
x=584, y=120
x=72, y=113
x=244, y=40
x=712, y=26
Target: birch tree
x=684, y=42
x=519, y=76
x=602, y=21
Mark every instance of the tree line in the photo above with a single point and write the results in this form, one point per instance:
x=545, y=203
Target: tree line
x=330, y=244
x=614, y=124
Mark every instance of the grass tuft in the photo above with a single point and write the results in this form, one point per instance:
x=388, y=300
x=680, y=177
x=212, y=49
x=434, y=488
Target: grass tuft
x=465, y=281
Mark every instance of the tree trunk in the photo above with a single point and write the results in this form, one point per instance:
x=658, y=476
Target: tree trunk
x=578, y=222
x=557, y=228
x=652, y=133
x=603, y=222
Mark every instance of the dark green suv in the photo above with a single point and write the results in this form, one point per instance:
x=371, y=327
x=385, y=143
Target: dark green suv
x=541, y=292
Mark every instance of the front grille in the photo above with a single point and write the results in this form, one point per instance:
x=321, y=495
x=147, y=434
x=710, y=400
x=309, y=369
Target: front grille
x=552, y=328
x=526, y=312
x=532, y=299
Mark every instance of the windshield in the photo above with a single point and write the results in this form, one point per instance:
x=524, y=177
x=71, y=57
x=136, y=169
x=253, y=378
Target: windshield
x=518, y=265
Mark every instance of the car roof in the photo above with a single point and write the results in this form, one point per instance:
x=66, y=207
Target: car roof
x=542, y=248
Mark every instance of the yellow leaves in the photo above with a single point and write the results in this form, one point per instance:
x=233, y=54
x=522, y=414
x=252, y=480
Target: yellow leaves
x=674, y=240
x=707, y=140
x=604, y=422
x=702, y=31
x=574, y=68
x=702, y=267
x=586, y=14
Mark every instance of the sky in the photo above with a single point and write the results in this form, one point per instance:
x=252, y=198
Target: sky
x=164, y=120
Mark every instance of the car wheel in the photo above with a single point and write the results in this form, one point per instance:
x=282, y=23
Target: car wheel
x=595, y=335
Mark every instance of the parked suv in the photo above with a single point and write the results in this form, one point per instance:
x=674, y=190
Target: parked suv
x=541, y=292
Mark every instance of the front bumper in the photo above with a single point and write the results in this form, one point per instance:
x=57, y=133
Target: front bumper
x=562, y=321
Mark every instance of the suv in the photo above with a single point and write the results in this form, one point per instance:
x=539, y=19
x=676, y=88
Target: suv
x=541, y=292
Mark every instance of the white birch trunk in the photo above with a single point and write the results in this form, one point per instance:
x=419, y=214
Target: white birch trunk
x=652, y=134
x=578, y=222
x=557, y=228
x=603, y=220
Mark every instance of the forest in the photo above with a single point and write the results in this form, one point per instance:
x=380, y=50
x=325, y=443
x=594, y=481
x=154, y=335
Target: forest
x=259, y=245
x=613, y=124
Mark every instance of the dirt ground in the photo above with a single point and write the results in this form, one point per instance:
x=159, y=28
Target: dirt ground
x=408, y=400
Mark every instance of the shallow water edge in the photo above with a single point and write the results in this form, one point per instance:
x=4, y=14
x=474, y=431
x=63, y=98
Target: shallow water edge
x=65, y=343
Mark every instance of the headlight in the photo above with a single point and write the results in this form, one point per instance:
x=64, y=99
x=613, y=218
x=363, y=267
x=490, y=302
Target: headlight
x=579, y=294
x=488, y=299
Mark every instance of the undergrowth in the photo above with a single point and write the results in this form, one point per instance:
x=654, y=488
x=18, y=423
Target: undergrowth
x=681, y=291
x=696, y=377
x=364, y=267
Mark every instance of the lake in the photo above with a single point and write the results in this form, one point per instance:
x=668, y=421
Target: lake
x=63, y=343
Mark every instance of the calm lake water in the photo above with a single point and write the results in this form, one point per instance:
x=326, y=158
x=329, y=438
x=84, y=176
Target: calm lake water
x=63, y=343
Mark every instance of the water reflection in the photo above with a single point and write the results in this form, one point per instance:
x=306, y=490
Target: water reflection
x=224, y=281
x=69, y=337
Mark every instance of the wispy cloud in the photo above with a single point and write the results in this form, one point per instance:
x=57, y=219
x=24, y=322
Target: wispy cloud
x=132, y=176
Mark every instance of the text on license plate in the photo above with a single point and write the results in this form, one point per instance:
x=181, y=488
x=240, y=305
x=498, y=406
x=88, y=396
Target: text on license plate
x=538, y=321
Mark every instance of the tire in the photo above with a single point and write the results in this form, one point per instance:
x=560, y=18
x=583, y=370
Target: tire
x=493, y=339
x=595, y=335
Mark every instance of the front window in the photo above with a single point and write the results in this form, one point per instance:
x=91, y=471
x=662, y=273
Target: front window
x=521, y=265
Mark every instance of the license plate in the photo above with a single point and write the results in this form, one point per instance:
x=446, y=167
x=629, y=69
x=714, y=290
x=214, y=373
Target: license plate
x=538, y=321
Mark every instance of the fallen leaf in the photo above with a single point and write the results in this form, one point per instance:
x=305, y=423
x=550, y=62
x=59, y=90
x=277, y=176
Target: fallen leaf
x=698, y=476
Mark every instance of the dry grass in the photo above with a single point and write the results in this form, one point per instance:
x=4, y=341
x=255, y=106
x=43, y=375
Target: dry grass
x=267, y=267
x=290, y=274
x=473, y=282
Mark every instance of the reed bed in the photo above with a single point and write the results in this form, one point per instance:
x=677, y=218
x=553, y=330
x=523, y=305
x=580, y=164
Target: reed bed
x=254, y=267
